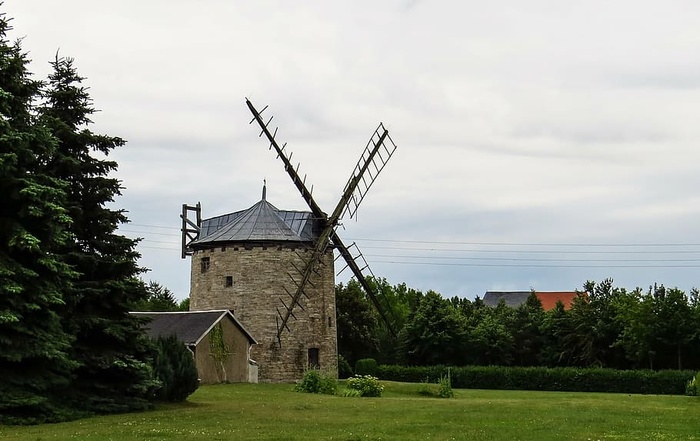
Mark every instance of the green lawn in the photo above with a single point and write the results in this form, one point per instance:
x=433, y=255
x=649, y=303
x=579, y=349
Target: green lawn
x=275, y=412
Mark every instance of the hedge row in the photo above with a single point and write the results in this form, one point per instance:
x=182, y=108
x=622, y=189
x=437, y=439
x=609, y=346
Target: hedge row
x=550, y=379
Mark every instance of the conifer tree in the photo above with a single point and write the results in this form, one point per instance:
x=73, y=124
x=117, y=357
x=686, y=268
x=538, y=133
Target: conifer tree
x=176, y=369
x=109, y=346
x=159, y=298
x=34, y=365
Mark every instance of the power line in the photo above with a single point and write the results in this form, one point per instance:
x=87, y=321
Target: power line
x=504, y=262
x=542, y=244
x=500, y=265
x=150, y=232
x=522, y=259
x=614, y=245
x=473, y=250
x=157, y=241
x=158, y=248
x=164, y=227
x=503, y=259
x=476, y=250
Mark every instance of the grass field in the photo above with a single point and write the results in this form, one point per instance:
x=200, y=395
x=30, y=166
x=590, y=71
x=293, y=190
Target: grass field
x=275, y=412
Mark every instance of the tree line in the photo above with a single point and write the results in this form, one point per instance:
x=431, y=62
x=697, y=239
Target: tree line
x=160, y=299
x=606, y=326
x=68, y=279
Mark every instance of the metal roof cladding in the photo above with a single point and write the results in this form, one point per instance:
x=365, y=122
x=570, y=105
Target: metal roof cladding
x=262, y=222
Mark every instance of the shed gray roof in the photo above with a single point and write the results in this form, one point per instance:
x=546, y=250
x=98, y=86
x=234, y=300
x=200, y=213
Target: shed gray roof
x=188, y=326
x=262, y=222
x=512, y=298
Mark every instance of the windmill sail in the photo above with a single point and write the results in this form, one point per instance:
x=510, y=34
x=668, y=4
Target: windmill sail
x=386, y=312
x=373, y=159
x=378, y=150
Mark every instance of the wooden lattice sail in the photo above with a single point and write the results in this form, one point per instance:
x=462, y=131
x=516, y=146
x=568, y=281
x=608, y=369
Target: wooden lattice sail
x=374, y=158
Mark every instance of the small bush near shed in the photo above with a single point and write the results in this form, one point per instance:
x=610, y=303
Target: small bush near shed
x=174, y=367
x=316, y=382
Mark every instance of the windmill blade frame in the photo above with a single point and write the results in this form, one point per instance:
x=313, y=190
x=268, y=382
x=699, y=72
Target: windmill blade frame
x=374, y=158
x=380, y=146
x=359, y=275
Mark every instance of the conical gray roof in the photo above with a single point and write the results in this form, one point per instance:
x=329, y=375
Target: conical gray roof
x=262, y=222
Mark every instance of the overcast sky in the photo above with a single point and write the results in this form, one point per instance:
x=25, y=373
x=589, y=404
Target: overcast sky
x=540, y=143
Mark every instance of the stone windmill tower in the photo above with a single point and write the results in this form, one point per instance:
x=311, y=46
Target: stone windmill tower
x=275, y=268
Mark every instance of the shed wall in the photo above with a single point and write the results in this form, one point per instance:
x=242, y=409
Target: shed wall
x=235, y=367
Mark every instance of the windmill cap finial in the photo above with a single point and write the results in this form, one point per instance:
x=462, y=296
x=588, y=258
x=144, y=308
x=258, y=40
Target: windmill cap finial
x=264, y=189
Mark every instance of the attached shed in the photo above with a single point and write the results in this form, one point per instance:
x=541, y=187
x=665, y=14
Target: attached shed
x=219, y=343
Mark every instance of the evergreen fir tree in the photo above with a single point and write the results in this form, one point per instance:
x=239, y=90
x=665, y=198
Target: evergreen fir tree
x=159, y=298
x=34, y=364
x=110, y=347
x=175, y=367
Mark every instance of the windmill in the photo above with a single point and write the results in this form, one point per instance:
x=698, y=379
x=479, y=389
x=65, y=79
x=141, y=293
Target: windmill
x=374, y=158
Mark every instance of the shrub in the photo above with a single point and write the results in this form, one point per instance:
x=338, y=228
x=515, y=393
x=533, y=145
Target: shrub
x=668, y=382
x=691, y=388
x=366, y=366
x=344, y=369
x=316, y=382
x=175, y=368
x=367, y=385
x=329, y=385
x=310, y=382
x=350, y=393
x=445, y=386
x=426, y=389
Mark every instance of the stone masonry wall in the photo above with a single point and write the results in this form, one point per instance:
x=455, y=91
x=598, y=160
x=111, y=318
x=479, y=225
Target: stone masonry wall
x=259, y=275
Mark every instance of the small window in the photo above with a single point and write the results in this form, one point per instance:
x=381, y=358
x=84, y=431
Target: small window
x=205, y=264
x=330, y=322
x=229, y=281
x=313, y=358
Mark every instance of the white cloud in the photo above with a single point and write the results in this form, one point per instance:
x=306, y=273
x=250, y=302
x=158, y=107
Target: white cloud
x=519, y=122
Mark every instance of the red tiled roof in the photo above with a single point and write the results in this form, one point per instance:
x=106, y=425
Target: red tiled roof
x=549, y=299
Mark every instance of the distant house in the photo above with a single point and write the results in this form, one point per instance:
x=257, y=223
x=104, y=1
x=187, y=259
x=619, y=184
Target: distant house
x=219, y=343
x=514, y=299
x=549, y=299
